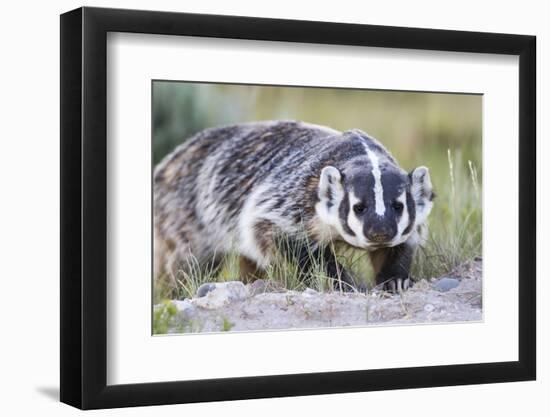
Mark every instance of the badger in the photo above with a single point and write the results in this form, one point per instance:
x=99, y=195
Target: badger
x=242, y=187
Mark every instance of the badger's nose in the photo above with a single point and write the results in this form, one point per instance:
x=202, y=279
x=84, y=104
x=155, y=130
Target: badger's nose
x=378, y=235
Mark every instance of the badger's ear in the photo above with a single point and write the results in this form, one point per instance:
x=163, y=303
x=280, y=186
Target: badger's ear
x=422, y=192
x=330, y=185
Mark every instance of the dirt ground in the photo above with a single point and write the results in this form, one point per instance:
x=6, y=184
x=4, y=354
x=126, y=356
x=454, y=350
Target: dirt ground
x=233, y=306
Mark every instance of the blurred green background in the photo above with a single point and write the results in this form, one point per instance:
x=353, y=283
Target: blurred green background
x=417, y=128
x=440, y=131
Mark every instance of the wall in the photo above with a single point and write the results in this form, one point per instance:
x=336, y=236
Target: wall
x=29, y=211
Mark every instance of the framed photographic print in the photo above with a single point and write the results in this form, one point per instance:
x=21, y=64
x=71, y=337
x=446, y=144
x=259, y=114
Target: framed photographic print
x=258, y=207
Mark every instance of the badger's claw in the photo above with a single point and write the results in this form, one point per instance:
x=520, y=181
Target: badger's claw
x=397, y=285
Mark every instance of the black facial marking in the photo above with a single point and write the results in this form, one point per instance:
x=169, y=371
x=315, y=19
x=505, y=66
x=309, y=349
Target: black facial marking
x=412, y=213
x=343, y=211
x=394, y=183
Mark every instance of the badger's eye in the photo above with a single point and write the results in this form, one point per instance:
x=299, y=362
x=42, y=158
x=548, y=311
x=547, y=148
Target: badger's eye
x=397, y=206
x=358, y=208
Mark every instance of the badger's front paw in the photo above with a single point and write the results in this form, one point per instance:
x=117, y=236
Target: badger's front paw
x=396, y=285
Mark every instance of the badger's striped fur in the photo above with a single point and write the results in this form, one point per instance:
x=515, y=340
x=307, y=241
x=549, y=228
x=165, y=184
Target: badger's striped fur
x=239, y=188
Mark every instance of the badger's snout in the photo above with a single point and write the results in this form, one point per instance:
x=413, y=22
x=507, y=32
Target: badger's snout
x=380, y=233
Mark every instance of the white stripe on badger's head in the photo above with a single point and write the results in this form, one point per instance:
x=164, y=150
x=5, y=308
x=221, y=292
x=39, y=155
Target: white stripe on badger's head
x=379, y=207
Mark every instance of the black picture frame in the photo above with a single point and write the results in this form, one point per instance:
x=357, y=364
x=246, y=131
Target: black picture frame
x=84, y=207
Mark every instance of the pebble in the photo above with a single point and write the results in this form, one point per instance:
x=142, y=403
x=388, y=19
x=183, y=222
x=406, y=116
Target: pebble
x=219, y=294
x=205, y=289
x=446, y=284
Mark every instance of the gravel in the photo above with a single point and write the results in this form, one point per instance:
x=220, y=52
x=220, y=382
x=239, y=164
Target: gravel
x=233, y=306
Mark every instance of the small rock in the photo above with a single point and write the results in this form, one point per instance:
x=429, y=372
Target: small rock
x=205, y=289
x=445, y=284
x=429, y=308
x=223, y=293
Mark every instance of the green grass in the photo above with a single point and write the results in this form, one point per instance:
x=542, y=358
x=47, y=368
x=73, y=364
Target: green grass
x=226, y=325
x=455, y=236
x=455, y=232
x=164, y=316
x=167, y=320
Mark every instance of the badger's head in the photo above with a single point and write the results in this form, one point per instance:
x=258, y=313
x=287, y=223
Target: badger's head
x=374, y=205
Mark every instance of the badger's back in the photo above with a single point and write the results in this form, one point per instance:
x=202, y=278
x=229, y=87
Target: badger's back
x=210, y=192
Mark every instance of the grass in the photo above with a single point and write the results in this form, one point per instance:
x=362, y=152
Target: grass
x=167, y=320
x=455, y=236
x=455, y=232
x=164, y=316
x=226, y=325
